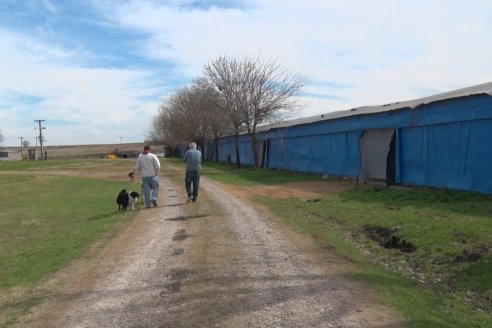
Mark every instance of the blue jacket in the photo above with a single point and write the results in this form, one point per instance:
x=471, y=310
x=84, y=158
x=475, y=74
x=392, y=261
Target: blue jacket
x=193, y=160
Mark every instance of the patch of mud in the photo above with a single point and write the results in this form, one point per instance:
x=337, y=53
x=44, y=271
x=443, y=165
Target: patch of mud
x=180, y=235
x=176, y=275
x=172, y=288
x=386, y=238
x=179, y=273
x=178, y=251
x=473, y=254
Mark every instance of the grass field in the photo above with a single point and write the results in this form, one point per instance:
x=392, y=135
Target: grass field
x=47, y=221
x=440, y=276
x=434, y=283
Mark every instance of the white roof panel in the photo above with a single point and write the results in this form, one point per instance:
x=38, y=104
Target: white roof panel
x=485, y=88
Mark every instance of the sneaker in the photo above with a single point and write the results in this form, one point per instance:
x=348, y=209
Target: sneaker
x=154, y=202
x=189, y=199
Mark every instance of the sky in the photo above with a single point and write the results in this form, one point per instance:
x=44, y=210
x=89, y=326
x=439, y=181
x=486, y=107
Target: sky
x=96, y=70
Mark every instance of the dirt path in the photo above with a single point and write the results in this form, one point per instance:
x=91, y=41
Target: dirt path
x=216, y=263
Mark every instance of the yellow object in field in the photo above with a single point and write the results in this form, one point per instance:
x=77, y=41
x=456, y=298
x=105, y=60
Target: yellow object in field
x=112, y=157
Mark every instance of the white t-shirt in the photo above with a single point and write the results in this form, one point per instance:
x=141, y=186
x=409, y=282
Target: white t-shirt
x=148, y=164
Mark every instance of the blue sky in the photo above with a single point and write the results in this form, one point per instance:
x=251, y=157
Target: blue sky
x=96, y=71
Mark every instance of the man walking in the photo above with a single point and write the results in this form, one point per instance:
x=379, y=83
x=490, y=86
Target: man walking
x=193, y=160
x=149, y=166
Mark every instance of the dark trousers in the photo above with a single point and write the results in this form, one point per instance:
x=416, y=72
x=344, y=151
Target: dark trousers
x=192, y=177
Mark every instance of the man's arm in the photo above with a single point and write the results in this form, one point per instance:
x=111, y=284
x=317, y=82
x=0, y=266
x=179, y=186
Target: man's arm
x=157, y=165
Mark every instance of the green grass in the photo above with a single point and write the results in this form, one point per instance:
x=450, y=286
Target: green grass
x=47, y=221
x=247, y=175
x=431, y=286
x=62, y=165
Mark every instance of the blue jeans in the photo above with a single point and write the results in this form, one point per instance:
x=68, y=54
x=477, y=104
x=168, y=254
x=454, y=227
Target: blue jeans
x=150, y=183
x=192, y=177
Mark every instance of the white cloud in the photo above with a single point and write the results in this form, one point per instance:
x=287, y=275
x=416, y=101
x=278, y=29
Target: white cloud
x=96, y=99
x=391, y=49
x=355, y=53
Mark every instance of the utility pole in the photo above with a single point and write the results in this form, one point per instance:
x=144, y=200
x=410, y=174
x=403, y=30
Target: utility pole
x=121, y=140
x=22, y=155
x=40, y=135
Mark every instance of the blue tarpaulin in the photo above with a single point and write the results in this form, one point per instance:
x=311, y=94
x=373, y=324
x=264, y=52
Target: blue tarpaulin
x=440, y=141
x=456, y=156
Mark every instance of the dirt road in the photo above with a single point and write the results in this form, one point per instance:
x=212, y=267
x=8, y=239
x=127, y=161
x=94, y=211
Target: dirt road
x=215, y=263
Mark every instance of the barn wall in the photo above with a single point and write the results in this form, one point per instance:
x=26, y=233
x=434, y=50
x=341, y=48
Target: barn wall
x=331, y=154
x=453, y=155
x=227, y=147
x=443, y=144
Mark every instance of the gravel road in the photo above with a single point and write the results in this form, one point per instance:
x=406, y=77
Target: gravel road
x=215, y=263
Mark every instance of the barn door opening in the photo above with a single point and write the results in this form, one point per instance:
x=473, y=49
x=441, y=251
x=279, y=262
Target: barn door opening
x=264, y=154
x=378, y=156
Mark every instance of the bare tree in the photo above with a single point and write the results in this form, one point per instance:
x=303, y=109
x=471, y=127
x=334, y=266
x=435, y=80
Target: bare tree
x=270, y=96
x=212, y=115
x=254, y=93
x=189, y=114
x=225, y=74
x=161, y=129
x=1, y=138
x=26, y=143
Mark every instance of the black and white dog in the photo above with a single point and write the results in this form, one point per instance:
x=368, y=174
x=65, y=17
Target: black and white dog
x=126, y=198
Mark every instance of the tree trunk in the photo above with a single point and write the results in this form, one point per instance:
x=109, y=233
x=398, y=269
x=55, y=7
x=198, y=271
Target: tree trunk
x=201, y=145
x=238, y=157
x=216, y=141
x=254, y=146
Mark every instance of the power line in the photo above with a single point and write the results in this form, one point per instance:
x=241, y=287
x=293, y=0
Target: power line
x=40, y=135
x=21, y=139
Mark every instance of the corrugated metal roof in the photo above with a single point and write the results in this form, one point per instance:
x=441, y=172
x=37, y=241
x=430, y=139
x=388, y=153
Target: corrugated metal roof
x=485, y=88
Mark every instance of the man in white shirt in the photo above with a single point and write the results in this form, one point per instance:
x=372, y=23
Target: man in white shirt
x=149, y=166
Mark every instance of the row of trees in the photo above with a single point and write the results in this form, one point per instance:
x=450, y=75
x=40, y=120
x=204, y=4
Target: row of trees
x=232, y=97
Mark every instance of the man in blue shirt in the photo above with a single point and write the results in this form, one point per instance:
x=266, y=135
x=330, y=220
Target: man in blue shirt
x=193, y=160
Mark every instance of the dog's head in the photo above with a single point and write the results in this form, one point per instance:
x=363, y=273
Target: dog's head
x=133, y=194
x=122, y=192
x=131, y=174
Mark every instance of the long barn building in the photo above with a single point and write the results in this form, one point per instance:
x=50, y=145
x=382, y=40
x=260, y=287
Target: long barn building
x=442, y=141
